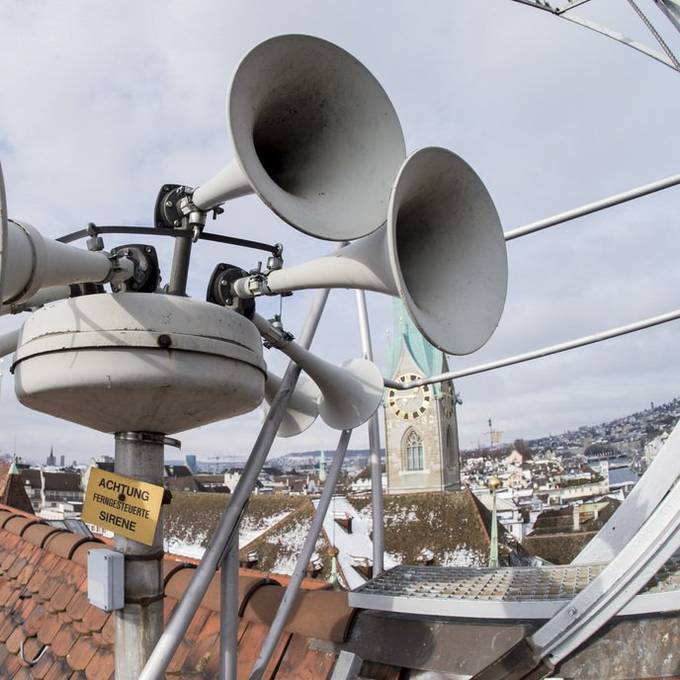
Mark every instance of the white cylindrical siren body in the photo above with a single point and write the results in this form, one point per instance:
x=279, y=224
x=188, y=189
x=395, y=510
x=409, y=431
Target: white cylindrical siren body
x=315, y=136
x=442, y=252
x=34, y=262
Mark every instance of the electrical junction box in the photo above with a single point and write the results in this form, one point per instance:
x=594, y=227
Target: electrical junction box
x=105, y=579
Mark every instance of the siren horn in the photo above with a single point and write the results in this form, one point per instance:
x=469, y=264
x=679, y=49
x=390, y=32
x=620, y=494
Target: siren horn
x=315, y=136
x=347, y=396
x=34, y=262
x=29, y=262
x=40, y=299
x=303, y=408
x=442, y=252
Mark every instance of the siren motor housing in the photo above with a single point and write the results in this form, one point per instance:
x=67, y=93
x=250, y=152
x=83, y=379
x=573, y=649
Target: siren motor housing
x=139, y=362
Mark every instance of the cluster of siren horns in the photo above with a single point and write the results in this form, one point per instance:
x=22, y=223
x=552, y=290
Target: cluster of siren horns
x=318, y=140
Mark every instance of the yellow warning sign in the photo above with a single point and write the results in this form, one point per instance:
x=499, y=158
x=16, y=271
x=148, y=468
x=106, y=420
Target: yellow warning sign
x=125, y=506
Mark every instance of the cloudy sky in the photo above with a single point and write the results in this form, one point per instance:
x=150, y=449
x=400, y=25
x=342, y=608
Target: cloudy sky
x=101, y=103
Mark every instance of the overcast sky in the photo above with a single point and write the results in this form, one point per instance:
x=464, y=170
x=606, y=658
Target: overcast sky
x=101, y=103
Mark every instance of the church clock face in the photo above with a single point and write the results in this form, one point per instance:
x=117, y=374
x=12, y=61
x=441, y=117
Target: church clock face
x=409, y=404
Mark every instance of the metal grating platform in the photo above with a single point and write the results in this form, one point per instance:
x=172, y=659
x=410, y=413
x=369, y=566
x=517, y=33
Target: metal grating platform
x=507, y=592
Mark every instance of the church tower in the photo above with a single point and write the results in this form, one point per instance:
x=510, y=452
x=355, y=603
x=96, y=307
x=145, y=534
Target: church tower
x=421, y=429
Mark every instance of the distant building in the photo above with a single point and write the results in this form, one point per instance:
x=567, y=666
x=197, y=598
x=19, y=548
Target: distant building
x=559, y=535
x=48, y=489
x=191, y=462
x=62, y=460
x=12, y=489
x=421, y=429
x=180, y=478
x=51, y=459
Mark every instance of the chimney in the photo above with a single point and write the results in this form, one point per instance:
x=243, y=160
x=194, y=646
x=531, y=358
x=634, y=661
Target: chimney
x=345, y=521
x=251, y=560
x=315, y=567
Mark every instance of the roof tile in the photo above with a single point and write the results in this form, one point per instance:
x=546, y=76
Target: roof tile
x=61, y=598
x=81, y=653
x=16, y=525
x=48, y=631
x=77, y=607
x=59, y=670
x=64, y=640
x=36, y=620
x=40, y=670
x=108, y=631
x=101, y=666
x=11, y=666
x=7, y=628
x=37, y=534
x=64, y=544
x=4, y=516
x=95, y=618
x=14, y=641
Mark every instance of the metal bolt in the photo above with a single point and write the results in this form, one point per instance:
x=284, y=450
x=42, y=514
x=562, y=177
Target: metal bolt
x=164, y=340
x=176, y=223
x=168, y=204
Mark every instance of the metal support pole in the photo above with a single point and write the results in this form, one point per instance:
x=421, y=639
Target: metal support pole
x=589, y=208
x=180, y=266
x=229, y=610
x=539, y=353
x=139, y=625
x=493, y=547
x=290, y=596
x=187, y=606
x=374, y=447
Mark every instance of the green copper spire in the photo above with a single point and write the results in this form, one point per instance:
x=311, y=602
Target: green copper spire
x=428, y=358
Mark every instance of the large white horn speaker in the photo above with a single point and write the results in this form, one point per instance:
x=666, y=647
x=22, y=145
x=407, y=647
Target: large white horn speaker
x=347, y=395
x=442, y=252
x=315, y=136
x=32, y=262
x=303, y=407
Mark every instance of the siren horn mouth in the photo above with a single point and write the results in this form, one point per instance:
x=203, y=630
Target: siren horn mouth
x=447, y=250
x=302, y=409
x=316, y=136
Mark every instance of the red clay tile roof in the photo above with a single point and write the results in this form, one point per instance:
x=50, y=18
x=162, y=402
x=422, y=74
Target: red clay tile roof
x=44, y=611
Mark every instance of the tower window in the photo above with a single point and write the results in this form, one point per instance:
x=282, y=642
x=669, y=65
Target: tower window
x=412, y=452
